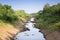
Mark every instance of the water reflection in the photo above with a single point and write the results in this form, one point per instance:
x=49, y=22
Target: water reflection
x=33, y=34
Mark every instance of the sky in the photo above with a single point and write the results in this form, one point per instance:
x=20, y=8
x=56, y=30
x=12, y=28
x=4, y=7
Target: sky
x=30, y=6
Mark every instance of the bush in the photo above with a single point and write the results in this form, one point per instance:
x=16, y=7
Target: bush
x=55, y=26
x=7, y=13
x=49, y=17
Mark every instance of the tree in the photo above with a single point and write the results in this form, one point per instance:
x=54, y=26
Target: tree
x=49, y=17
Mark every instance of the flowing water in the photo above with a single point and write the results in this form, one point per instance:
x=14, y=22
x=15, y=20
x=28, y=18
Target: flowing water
x=31, y=34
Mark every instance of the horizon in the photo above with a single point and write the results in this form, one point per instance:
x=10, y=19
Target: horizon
x=29, y=6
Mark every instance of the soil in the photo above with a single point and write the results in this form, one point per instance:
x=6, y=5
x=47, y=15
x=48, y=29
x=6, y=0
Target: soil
x=51, y=35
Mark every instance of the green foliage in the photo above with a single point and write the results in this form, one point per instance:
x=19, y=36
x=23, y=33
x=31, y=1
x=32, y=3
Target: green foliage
x=41, y=24
x=22, y=14
x=49, y=15
x=55, y=26
x=9, y=15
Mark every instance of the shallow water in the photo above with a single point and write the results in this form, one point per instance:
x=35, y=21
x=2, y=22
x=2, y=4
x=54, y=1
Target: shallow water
x=31, y=34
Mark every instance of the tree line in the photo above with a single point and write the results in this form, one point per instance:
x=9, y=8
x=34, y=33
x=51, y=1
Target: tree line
x=8, y=14
x=49, y=17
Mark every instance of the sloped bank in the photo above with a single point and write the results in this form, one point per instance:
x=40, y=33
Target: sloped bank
x=50, y=35
x=20, y=25
x=8, y=31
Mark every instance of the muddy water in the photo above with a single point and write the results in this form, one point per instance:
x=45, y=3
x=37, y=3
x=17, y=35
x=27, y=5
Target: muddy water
x=31, y=34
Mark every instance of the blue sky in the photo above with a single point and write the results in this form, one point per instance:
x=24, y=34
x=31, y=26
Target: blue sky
x=30, y=6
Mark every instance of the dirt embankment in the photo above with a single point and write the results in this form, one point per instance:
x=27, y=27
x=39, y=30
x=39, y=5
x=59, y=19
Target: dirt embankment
x=8, y=31
x=20, y=25
x=51, y=35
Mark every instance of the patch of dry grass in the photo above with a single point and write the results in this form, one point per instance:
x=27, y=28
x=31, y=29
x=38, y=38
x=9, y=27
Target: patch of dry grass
x=7, y=31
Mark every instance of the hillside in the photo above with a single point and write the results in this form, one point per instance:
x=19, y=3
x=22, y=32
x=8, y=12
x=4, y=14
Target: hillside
x=11, y=22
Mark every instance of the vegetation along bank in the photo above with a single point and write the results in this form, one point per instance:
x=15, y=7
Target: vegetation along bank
x=11, y=22
x=48, y=20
